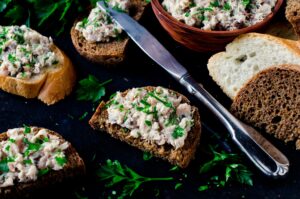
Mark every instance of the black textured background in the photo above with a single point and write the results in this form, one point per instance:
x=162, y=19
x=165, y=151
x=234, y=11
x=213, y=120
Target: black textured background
x=137, y=71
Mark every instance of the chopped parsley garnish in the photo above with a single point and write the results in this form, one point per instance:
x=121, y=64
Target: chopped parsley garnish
x=84, y=22
x=11, y=140
x=27, y=129
x=178, y=132
x=46, y=139
x=28, y=161
x=83, y=116
x=7, y=148
x=215, y=3
x=166, y=103
x=31, y=147
x=11, y=58
x=227, y=6
x=43, y=172
x=90, y=89
x=148, y=122
x=246, y=2
x=187, y=14
x=173, y=119
x=3, y=164
x=61, y=161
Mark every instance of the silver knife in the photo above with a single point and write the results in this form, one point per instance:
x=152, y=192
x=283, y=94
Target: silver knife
x=260, y=151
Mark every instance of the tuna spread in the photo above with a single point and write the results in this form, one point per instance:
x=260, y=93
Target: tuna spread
x=99, y=26
x=219, y=14
x=29, y=153
x=24, y=52
x=159, y=116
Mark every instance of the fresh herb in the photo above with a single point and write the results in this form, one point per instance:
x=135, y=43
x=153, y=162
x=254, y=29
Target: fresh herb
x=187, y=14
x=57, y=16
x=166, y=103
x=246, y=3
x=178, y=132
x=147, y=156
x=175, y=168
x=215, y=3
x=172, y=120
x=225, y=167
x=116, y=174
x=178, y=186
x=3, y=164
x=227, y=6
x=31, y=146
x=11, y=140
x=84, y=22
x=46, y=139
x=28, y=161
x=148, y=122
x=148, y=1
x=83, y=116
x=27, y=129
x=7, y=148
x=61, y=161
x=90, y=89
x=43, y=172
x=205, y=9
x=11, y=58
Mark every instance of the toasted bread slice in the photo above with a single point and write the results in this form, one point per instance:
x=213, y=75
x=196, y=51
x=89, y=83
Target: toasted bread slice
x=271, y=101
x=181, y=156
x=73, y=169
x=292, y=13
x=106, y=53
x=246, y=56
x=50, y=86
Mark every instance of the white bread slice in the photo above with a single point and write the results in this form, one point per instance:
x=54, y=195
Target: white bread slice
x=50, y=86
x=246, y=56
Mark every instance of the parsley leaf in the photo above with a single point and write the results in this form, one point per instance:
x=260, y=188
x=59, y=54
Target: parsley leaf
x=116, y=174
x=226, y=167
x=61, y=161
x=90, y=89
x=43, y=172
x=178, y=132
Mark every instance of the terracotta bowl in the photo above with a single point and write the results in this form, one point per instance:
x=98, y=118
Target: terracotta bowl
x=203, y=40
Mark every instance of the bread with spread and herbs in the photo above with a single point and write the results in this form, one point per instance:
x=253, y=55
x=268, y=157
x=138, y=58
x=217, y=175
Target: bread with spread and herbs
x=153, y=119
x=248, y=55
x=99, y=38
x=271, y=101
x=32, y=66
x=292, y=14
x=33, y=158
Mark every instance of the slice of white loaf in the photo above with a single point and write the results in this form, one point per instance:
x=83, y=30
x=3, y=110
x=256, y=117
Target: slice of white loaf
x=246, y=56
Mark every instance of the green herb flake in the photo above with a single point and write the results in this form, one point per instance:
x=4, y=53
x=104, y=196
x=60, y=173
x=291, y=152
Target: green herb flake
x=215, y=3
x=90, y=89
x=147, y=156
x=178, y=186
x=7, y=148
x=83, y=116
x=27, y=129
x=148, y=122
x=227, y=6
x=178, y=132
x=61, y=161
x=43, y=172
x=11, y=140
x=203, y=188
x=28, y=161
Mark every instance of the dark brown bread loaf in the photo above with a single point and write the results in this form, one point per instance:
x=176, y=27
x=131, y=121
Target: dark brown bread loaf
x=180, y=157
x=271, y=101
x=107, y=53
x=293, y=14
x=73, y=169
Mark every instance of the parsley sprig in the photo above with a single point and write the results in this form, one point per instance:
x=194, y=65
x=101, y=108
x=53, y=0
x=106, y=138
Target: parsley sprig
x=90, y=89
x=115, y=173
x=56, y=16
x=224, y=168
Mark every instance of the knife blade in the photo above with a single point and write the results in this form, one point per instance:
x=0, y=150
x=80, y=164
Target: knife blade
x=266, y=157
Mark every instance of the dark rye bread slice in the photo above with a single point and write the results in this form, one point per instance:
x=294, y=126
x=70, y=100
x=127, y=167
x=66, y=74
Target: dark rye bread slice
x=180, y=157
x=271, y=102
x=73, y=170
x=292, y=13
x=106, y=53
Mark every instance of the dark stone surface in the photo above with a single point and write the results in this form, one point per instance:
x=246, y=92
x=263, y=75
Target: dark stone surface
x=137, y=71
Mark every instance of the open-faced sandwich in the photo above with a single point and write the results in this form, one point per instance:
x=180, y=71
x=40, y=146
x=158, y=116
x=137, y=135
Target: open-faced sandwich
x=153, y=119
x=32, y=158
x=32, y=66
x=99, y=38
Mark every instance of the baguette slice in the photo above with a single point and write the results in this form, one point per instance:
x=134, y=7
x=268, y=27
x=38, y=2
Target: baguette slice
x=271, y=102
x=246, y=56
x=181, y=157
x=106, y=53
x=73, y=170
x=292, y=14
x=50, y=86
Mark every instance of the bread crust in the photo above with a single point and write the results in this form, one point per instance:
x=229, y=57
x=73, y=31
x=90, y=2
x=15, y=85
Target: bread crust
x=180, y=157
x=106, y=53
x=292, y=45
x=50, y=86
x=270, y=101
x=292, y=14
x=74, y=169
